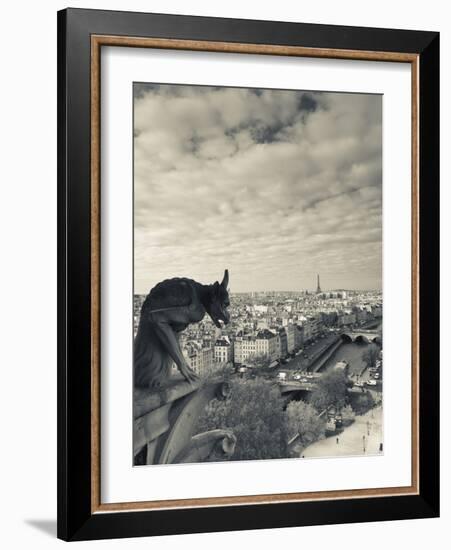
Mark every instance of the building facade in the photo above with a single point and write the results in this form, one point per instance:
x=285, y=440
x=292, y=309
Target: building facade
x=200, y=359
x=265, y=343
x=223, y=350
x=291, y=344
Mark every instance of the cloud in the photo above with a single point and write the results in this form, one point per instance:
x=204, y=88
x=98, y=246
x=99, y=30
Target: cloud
x=274, y=185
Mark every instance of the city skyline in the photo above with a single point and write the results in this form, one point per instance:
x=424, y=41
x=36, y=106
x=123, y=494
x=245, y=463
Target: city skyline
x=310, y=291
x=277, y=186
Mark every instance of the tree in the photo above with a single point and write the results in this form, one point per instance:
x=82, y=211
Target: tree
x=303, y=419
x=215, y=371
x=260, y=360
x=347, y=414
x=330, y=319
x=370, y=355
x=331, y=390
x=362, y=403
x=254, y=411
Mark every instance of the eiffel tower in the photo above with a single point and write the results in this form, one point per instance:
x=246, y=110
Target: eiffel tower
x=318, y=287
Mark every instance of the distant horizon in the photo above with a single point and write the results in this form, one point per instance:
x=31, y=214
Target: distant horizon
x=310, y=291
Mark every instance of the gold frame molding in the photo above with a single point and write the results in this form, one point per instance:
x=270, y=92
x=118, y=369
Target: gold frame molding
x=97, y=41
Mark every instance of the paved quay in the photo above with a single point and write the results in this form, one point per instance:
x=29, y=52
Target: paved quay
x=361, y=438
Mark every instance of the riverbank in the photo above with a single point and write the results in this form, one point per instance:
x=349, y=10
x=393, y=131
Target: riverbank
x=362, y=438
x=318, y=363
x=312, y=352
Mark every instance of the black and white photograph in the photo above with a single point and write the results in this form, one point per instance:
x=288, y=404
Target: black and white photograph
x=224, y=291
x=257, y=300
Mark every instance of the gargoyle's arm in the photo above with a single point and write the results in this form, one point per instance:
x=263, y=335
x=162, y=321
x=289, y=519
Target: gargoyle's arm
x=170, y=342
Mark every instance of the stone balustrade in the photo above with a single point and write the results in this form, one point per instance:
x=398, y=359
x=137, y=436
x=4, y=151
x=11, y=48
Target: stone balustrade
x=165, y=419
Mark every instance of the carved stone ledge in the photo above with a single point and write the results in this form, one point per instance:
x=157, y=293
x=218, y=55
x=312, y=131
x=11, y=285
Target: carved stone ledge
x=145, y=400
x=164, y=421
x=215, y=445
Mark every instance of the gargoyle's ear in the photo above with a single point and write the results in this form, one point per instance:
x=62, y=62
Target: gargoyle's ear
x=225, y=280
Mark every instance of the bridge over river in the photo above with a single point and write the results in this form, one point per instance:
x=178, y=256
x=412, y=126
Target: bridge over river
x=296, y=386
x=366, y=336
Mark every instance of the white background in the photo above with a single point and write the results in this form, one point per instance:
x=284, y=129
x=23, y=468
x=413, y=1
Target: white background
x=120, y=482
x=28, y=275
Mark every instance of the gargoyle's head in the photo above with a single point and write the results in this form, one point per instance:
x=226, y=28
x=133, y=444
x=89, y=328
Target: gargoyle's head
x=219, y=302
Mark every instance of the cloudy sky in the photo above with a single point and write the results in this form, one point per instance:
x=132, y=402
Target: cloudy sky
x=274, y=185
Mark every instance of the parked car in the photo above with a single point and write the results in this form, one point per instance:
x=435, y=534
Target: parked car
x=371, y=382
x=331, y=426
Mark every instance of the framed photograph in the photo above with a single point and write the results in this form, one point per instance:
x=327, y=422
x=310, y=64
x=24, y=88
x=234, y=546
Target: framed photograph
x=248, y=274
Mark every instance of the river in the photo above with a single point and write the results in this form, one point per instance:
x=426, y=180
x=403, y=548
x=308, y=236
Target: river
x=351, y=352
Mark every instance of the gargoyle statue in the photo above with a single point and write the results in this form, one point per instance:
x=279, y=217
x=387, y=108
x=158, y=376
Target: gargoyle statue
x=167, y=310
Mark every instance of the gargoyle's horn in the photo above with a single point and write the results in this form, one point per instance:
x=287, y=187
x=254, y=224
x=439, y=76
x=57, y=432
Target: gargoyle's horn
x=225, y=280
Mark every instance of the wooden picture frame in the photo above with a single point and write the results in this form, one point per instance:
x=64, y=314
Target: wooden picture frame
x=81, y=35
